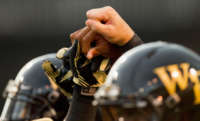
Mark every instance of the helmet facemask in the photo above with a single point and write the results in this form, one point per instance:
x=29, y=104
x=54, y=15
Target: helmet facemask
x=26, y=103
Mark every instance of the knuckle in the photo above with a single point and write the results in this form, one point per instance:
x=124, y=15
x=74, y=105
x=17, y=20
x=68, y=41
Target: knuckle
x=71, y=35
x=108, y=8
x=110, y=11
x=88, y=13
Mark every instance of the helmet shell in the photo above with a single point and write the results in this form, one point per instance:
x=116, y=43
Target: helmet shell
x=134, y=69
x=29, y=85
x=32, y=73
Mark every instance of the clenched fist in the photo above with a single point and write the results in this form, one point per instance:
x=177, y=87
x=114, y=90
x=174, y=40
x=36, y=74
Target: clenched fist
x=109, y=24
x=102, y=47
x=104, y=33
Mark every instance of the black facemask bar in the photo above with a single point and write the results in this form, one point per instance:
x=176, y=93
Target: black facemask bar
x=25, y=95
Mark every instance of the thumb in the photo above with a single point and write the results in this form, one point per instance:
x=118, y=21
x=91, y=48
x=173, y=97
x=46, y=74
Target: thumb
x=96, y=26
x=93, y=52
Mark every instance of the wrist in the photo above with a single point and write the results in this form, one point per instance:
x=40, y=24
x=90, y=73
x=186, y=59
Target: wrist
x=128, y=37
x=133, y=42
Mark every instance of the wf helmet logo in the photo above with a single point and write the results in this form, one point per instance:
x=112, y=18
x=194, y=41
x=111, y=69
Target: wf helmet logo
x=179, y=75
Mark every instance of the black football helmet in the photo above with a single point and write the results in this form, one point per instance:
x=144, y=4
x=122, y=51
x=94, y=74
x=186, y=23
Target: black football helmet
x=157, y=81
x=31, y=96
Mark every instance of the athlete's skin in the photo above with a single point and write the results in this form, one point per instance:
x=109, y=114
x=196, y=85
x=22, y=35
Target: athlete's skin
x=107, y=28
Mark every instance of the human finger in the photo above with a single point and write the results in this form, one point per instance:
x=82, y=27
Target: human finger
x=73, y=35
x=101, y=48
x=104, y=48
x=78, y=35
x=87, y=40
x=101, y=14
x=93, y=52
x=98, y=27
